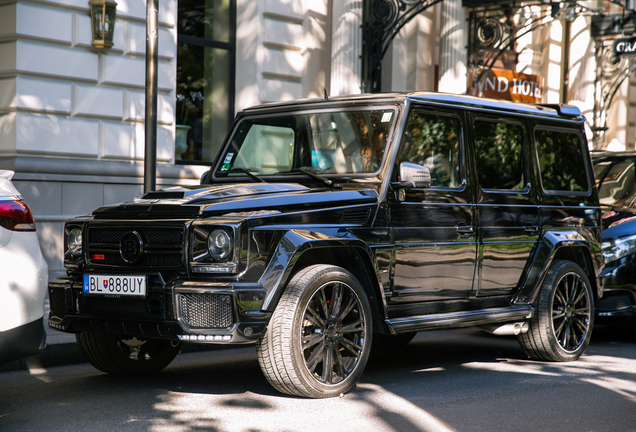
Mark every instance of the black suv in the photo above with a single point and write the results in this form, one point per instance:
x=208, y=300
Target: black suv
x=325, y=226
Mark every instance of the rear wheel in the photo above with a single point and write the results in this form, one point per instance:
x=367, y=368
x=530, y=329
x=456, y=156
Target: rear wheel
x=561, y=327
x=318, y=340
x=126, y=355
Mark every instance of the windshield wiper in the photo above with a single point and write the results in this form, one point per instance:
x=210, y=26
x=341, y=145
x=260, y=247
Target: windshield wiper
x=310, y=174
x=247, y=171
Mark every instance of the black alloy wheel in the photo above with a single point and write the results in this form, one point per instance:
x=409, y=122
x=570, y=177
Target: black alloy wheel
x=561, y=327
x=318, y=340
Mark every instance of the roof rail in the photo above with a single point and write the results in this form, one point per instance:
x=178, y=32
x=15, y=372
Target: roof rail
x=563, y=109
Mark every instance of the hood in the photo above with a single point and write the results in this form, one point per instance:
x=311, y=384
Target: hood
x=215, y=200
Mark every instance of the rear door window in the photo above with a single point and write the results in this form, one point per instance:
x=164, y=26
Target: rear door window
x=499, y=155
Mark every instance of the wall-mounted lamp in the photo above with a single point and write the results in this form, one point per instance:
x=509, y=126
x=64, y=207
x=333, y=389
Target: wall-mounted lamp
x=103, y=22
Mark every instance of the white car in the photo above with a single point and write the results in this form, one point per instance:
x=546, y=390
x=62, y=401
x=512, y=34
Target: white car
x=24, y=277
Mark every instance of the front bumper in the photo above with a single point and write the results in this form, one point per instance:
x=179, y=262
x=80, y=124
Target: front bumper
x=192, y=311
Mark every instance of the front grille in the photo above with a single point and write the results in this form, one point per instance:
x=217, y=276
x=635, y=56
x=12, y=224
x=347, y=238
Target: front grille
x=206, y=311
x=162, y=246
x=153, y=306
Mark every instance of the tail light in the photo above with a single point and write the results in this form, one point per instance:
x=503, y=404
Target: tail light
x=15, y=215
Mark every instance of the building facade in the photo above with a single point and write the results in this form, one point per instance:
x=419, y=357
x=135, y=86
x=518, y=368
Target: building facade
x=72, y=116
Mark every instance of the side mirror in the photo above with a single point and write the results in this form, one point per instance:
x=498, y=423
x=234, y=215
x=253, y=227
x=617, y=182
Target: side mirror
x=204, y=177
x=413, y=175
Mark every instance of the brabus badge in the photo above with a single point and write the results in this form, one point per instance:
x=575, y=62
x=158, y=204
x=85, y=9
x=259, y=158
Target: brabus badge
x=131, y=247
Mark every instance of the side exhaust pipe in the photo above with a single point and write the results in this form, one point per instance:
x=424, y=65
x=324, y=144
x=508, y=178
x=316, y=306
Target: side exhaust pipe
x=510, y=329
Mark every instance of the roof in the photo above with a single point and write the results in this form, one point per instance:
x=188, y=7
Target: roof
x=433, y=98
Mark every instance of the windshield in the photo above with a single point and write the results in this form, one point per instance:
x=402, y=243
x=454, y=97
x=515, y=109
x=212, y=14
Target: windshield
x=336, y=142
x=616, y=181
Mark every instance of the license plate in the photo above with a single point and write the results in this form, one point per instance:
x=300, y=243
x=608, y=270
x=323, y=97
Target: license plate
x=115, y=286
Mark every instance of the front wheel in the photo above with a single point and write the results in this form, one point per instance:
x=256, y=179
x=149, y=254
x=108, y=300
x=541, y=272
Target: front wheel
x=126, y=355
x=318, y=340
x=561, y=327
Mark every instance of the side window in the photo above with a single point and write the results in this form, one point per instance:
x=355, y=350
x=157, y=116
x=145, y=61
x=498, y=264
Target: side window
x=617, y=182
x=561, y=158
x=499, y=155
x=432, y=141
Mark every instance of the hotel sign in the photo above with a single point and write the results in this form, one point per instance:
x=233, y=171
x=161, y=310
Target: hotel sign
x=624, y=47
x=510, y=85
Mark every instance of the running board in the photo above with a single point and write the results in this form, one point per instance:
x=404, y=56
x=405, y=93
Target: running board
x=459, y=319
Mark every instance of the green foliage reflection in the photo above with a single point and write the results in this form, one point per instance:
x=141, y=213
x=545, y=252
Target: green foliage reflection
x=560, y=159
x=433, y=141
x=499, y=154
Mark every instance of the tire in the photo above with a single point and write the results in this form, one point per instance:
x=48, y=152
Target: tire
x=387, y=341
x=318, y=340
x=119, y=355
x=561, y=327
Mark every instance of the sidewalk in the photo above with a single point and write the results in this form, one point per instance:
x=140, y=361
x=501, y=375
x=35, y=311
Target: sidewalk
x=62, y=349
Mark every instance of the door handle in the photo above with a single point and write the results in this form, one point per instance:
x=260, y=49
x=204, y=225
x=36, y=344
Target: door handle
x=465, y=230
x=530, y=229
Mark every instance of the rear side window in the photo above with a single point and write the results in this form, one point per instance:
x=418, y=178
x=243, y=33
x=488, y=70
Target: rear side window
x=561, y=160
x=499, y=155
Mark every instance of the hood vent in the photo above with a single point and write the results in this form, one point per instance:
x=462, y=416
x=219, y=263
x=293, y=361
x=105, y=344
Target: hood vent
x=355, y=217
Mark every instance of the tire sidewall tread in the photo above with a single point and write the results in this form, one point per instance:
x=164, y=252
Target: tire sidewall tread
x=540, y=342
x=278, y=351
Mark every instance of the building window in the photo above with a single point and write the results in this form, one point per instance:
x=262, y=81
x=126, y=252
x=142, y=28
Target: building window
x=205, y=78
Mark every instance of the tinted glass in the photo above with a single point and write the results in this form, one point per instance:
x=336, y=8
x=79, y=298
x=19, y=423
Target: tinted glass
x=339, y=142
x=433, y=141
x=499, y=155
x=560, y=160
x=208, y=19
x=202, y=101
x=616, y=181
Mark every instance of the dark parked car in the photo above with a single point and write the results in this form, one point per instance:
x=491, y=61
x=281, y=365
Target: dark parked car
x=615, y=174
x=325, y=226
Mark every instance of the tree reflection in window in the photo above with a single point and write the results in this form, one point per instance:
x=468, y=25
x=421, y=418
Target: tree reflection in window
x=433, y=141
x=560, y=160
x=499, y=155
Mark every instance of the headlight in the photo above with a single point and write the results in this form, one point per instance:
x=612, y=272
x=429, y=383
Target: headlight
x=74, y=242
x=615, y=249
x=220, y=245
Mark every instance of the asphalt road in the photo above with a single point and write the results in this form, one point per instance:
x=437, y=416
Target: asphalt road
x=459, y=380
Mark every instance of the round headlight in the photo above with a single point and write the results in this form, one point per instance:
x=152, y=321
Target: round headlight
x=74, y=242
x=220, y=245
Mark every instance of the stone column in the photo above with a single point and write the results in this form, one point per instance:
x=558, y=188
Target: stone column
x=453, y=55
x=346, y=47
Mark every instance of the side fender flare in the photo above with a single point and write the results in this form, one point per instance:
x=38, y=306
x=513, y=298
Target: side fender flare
x=551, y=242
x=291, y=246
